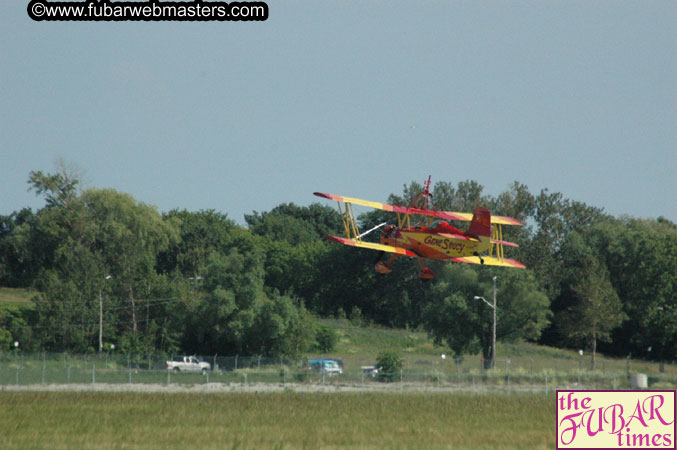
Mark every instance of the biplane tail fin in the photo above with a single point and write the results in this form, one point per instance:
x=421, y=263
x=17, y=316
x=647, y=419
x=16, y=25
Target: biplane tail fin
x=481, y=223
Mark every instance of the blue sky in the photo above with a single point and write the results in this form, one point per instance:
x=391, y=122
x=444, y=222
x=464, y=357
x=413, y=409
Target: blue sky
x=352, y=98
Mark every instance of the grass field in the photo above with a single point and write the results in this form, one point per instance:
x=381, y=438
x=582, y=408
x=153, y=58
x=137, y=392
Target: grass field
x=16, y=295
x=359, y=345
x=276, y=420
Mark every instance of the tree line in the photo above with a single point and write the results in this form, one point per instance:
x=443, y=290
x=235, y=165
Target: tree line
x=114, y=271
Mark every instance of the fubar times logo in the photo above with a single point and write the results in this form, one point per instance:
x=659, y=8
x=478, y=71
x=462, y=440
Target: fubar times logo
x=616, y=419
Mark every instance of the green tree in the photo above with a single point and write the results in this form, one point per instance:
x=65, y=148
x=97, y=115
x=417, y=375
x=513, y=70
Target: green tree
x=238, y=315
x=67, y=314
x=98, y=244
x=597, y=309
x=295, y=224
x=641, y=258
x=555, y=217
x=59, y=189
x=454, y=318
x=5, y=340
x=16, y=320
x=129, y=237
x=20, y=259
x=200, y=234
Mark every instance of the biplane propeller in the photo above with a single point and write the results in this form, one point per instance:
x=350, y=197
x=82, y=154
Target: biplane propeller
x=481, y=243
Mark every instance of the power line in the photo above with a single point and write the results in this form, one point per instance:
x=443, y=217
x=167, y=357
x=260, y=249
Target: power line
x=140, y=303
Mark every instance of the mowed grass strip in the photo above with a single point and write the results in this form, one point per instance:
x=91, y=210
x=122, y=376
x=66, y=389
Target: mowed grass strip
x=276, y=420
x=16, y=295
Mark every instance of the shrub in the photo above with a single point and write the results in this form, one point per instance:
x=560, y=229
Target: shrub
x=326, y=339
x=301, y=375
x=389, y=365
x=356, y=316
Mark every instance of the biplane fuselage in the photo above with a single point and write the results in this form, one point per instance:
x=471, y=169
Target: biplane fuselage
x=433, y=243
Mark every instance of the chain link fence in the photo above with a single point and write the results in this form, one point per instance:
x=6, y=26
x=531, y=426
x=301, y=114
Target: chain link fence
x=18, y=368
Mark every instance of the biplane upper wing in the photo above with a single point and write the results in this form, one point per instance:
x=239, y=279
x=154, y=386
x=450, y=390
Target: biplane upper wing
x=397, y=209
x=447, y=215
x=491, y=261
x=501, y=220
x=372, y=246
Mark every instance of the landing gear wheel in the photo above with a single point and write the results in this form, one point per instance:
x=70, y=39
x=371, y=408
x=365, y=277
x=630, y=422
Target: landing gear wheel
x=426, y=274
x=382, y=268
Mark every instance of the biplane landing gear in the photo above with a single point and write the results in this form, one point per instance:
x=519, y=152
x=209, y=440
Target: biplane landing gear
x=384, y=267
x=425, y=274
x=478, y=255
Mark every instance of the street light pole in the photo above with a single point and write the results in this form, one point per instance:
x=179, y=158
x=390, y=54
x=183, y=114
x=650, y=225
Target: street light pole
x=100, y=322
x=493, y=333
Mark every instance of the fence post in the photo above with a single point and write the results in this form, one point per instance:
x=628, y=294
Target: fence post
x=93, y=373
x=236, y=362
x=43, y=372
x=68, y=374
x=17, y=376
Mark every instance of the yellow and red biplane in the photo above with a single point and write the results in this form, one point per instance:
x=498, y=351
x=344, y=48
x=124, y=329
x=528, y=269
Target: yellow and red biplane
x=479, y=244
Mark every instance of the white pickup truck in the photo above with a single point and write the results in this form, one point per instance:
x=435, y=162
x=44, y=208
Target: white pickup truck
x=188, y=364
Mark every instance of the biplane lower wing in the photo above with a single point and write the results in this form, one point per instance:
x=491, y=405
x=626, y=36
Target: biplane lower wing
x=491, y=261
x=506, y=243
x=372, y=246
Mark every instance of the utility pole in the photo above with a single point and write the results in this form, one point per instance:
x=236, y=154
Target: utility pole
x=493, y=344
x=100, y=322
x=108, y=277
